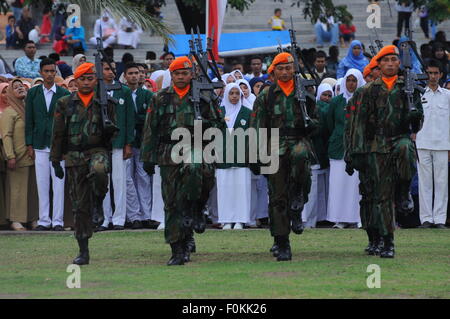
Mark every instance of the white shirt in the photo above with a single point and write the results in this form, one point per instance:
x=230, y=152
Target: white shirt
x=134, y=96
x=48, y=94
x=435, y=133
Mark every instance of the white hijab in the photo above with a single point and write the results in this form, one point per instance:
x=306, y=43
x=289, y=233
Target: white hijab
x=225, y=77
x=323, y=88
x=232, y=73
x=360, y=82
x=231, y=110
x=156, y=74
x=248, y=101
x=338, y=85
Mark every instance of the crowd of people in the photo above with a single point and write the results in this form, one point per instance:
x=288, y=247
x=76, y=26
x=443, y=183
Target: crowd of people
x=31, y=197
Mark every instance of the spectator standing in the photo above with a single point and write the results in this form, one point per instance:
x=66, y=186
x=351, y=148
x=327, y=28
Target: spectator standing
x=424, y=22
x=438, y=53
x=17, y=7
x=316, y=208
x=59, y=11
x=167, y=58
x=275, y=22
x=21, y=197
x=255, y=68
x=40, y=105
x=320, y=68
x=404, y=9
x=109, y=30
x=126, y=59
x=64, y=69
x=333, y=59
x=355, y=59
x=433, y=147
x=343, y=204
x=139, y=183
x=256, y=83
x=27, y=66
x=234, y=179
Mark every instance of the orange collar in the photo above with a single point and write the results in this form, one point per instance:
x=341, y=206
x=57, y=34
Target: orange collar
x=390, y=82
x=182, y=92
x=287, y=87
x=86, y=98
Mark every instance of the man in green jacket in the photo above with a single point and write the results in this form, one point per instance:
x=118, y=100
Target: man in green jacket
x=139, y=183
x=39, y=109
x=121, y=150
x=289, y=187
x=379, y=146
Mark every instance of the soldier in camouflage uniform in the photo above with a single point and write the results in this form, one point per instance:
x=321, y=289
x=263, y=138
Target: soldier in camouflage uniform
x=78, y=138
x=275, y=107
x=378, y=145
x=185, y=186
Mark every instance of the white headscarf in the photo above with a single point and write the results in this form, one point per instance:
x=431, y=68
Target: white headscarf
x=338, y=84
x=360, y=82
x=248, y=101
x=156, y=74
x=232, y=73
x=231, y=110
x=323, y=88
x=330, y=81
x=225, y=77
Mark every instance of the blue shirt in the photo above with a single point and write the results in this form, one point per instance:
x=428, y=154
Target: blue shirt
x=26, y=68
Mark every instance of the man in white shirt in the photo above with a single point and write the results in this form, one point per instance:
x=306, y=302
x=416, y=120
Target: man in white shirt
x=256, y=68
x=40, y=106
x=433, y=144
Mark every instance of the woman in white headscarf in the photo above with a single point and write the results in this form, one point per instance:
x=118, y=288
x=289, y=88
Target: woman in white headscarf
x=109, y=30
x=343, y=204
x=249, y=97
x=78, y=60
x=233, y=177
x=316, y=208
x=337, y=87
x=228, y=78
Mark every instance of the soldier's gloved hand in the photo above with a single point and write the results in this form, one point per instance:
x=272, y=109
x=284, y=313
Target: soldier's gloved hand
x=255, y=169
x=149, y=168
x=59, y=172
x=349, y=169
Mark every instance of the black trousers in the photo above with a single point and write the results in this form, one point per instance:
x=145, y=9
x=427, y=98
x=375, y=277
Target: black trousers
x=403, y=18
x=424, y=26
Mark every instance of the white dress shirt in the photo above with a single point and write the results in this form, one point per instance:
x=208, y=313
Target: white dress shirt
x=48, y=94
x=435, y=133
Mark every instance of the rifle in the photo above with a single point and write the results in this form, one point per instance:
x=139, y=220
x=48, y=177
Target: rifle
x=377, y=40
x=371, y=47
x=109, y=128
x=280, y=47
x=201, y=81
x=300, y=83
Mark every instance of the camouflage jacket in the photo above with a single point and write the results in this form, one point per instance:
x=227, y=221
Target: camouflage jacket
x=76, y=135
x=166, y=113
x=284, y=113
x=376, y=117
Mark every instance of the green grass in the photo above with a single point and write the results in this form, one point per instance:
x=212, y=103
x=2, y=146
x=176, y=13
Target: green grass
x=326, y=263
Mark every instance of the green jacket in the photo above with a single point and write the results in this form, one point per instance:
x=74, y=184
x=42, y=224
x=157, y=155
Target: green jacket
x=125, y=117
x=143, y=101
x=378, y=117
x=168, y=112
x=320, y=138
x=335, y=124
x=283, y=114
x=243, y=122
x=39, y=121
x=77, y=133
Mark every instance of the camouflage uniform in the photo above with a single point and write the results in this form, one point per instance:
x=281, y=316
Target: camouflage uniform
x=295, y=151
x=378, y=145
x=78, y=137
x=185, y=186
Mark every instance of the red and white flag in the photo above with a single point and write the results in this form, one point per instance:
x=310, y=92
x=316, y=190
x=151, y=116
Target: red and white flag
x=215, y=12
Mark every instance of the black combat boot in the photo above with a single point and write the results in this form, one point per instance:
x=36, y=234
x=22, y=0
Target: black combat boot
x=83, y=257
x=199, y=221
x=275, y=249
x=97, y=212
x=177, y=254
x=295, y=213
x=388, y=250
x=188, y=246
x=369, y=248
x=404, y=201
x=284, y=250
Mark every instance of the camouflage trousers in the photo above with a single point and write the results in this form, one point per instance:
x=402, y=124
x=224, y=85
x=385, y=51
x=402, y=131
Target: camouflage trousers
x=380, y=176
x=293, y=176
x=85, y=182
x=185, y=188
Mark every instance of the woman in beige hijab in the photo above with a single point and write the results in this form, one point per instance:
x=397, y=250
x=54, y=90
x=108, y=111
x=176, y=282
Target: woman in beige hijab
x=21, y=191
x=77, y=61
x=3, y=105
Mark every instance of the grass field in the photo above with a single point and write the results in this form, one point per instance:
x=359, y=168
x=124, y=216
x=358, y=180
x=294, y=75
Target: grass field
x=327, y=263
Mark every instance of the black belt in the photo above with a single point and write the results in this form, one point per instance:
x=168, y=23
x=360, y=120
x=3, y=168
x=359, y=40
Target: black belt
x=296, y=132
x=80, y=148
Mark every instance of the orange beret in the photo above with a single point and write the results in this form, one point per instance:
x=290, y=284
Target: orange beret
x=85, y=68
x=282, y=57
x=182, y=62
x=372, y=65
x=270, y=69
x=387, y=50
